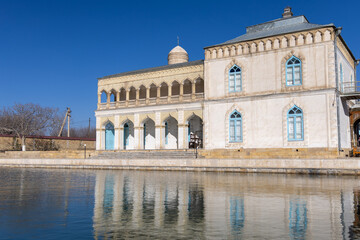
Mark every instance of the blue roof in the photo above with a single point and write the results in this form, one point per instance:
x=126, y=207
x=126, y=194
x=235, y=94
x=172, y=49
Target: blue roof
x=274, y=28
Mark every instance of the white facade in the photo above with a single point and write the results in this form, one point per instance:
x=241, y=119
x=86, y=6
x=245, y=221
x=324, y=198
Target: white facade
x=244, y=99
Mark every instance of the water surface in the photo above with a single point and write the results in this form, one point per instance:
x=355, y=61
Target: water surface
x=105, y=204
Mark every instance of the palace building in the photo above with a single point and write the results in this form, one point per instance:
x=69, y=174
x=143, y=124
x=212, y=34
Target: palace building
x=285, y=84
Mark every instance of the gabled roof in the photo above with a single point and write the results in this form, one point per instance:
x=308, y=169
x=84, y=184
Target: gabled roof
x=276, y=27
x=154, y=69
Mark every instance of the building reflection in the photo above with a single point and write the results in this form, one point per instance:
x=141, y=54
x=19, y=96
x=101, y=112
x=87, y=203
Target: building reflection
x=237, y=215
x=354, y=230
x=297, y=219
x=155, y=205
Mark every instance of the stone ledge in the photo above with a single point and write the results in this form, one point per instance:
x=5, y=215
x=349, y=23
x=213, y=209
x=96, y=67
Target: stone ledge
x=285, y=166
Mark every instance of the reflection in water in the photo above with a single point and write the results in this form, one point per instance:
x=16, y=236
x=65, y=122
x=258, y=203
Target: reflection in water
x=237, y=215
x=297, y=219
x=355, y=228
x=60, y=204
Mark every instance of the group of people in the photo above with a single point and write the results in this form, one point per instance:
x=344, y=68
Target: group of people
x=195, y=141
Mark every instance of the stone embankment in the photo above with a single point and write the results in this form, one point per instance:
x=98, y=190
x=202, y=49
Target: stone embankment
x=183, y=160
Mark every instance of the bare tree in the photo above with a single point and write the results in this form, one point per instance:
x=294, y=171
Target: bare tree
x=27, y=119
x=83, y=132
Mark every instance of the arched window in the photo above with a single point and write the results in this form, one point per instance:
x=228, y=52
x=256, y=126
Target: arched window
x=295, y=124
x=163, y=90
x=187, y=88
x=132, y=93
x=126, y=134
x=235, y=82
x=293, y=72
x=109, y=136
x=235, y=127
x=103, y=97
x=112, y=96
x=199, y=85
x=175, y=88
x=153, y=91
x=142, y=92
x=122, y=94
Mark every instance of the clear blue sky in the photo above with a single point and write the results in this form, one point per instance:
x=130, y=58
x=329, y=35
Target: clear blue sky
x=53, y=51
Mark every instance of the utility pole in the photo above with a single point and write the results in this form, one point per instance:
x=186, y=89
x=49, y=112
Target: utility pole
x=68, y=115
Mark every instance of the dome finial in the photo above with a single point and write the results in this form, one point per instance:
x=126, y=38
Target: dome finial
x=178, y=40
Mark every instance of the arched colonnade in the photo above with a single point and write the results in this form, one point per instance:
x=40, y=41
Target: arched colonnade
x=147, y=133
x=152, y=94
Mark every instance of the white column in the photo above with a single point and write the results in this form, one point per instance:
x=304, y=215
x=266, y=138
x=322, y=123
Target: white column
x=98, y=139
x=98, y=133
x=136, y=137
x=158, y=130
x=180, y=136
x=158, y=137
x=121, y=138
x=116, y=140
x=102, y=143
x=141, y=137
x=180, y=129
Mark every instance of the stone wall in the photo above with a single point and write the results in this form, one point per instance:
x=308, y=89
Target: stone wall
x=273, y=153
x=65, y=154
x=46, y=143
x=303, y=166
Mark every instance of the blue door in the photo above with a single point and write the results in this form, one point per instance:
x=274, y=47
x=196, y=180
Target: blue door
x=126, y=135
x=109, y=137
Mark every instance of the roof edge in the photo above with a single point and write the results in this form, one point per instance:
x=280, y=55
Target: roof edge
x=347, y=48
x=277, y=20
x=154, y=69
x=223, y=44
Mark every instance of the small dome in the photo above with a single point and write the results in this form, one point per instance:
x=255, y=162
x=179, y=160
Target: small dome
x=177, y=55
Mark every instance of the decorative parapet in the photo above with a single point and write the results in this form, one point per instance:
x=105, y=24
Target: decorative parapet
x=269, y=44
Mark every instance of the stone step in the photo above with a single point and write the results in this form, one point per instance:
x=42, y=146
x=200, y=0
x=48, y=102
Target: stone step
x=147, y=154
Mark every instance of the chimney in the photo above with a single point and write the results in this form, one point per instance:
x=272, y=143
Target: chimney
x=287, y=12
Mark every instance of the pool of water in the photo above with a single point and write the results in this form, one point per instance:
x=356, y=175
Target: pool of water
x=106, y=204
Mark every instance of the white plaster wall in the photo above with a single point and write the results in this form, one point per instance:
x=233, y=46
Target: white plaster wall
x=348, y=71
x=98, y=134
x=265, y=71
x=265, y=122
x=345, y=135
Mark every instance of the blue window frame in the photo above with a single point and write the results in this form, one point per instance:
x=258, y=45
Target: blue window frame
x=235, y=82
x=293, y=72
x=295, y=124
x=235, y=127
x=166, y=133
